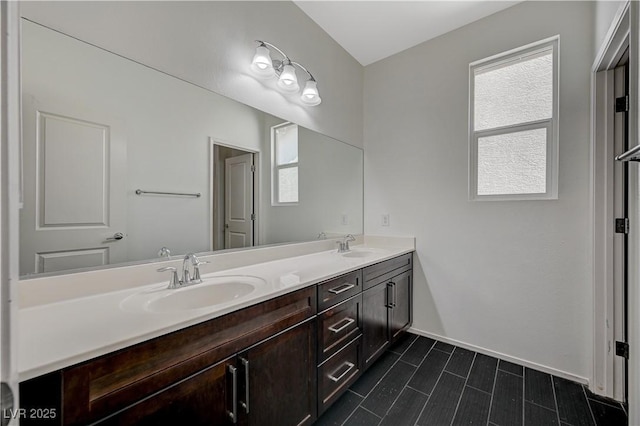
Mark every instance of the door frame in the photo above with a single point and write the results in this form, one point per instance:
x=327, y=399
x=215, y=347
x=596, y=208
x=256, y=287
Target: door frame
x=11, y=194
x=213, y=189
x=603, y=215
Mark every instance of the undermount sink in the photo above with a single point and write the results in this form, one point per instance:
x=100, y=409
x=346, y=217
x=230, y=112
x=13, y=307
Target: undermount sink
x=362, y=252
x=359, y=253
x=211, y=292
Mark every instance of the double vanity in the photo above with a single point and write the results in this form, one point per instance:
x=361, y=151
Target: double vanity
x=273, y=342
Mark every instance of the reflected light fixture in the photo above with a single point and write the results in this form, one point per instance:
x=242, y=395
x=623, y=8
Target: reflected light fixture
x=284, y=69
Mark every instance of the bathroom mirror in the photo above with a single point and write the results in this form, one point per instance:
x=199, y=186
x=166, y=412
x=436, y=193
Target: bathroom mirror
x=123, y=163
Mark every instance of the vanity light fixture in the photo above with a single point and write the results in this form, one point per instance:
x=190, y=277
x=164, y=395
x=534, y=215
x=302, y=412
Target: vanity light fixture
x=266, y=67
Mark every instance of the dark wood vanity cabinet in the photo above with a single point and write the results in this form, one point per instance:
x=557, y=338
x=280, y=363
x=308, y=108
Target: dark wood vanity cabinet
x=283, y=361
x=241, y=389
x=387, y=304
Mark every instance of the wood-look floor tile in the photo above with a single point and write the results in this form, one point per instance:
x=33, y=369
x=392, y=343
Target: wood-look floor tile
x=385, y=393
x=572, y=403
x=444, y=347
x=460, y=362
x=406, y=409
x=418, y=350
x=340, y=410
x=442, y=404
x=362, y=417
x=483, y=373
x=510, y=367
x=429, y=371
x=403, y=343
x=473, y=408
x=506, y=407
x=607, y=415
x=538, y=388
x=535, y=415
x=372, y=376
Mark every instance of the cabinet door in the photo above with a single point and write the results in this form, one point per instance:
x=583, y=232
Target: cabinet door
x=281, y=378
x=202, y=399
x=401, y=313
x=375, y=322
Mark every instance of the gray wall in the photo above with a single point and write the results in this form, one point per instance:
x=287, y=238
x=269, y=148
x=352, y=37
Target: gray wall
x=512, y=277
x=211, y=44
x=605, y=11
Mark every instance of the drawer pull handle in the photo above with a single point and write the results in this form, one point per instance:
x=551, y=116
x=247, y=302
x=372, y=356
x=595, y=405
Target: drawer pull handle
x=341, y=288
x=389, y=295
x=347, y=322
x=349, y=366
x=233, y=414
x=395, y=294
x=245, y=364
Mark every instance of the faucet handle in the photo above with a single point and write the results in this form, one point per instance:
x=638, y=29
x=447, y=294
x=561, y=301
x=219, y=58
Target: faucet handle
x=347, y=238
x=196, y=271
x=174, y=282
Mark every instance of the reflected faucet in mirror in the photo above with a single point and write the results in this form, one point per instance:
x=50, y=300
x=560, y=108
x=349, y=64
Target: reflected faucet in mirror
x=164, y=252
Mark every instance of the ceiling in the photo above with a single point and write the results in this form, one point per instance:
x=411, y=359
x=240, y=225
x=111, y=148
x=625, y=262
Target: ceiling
x=374, y=30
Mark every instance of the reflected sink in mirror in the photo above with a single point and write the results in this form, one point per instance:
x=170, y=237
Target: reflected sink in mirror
x=210, y=293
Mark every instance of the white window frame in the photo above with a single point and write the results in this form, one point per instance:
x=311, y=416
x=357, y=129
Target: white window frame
x=275, y=168
x=551, y=125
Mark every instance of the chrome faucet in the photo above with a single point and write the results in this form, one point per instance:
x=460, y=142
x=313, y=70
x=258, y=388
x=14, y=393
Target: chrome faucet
x=187, y=278
x=195, y=262
x=343, y=246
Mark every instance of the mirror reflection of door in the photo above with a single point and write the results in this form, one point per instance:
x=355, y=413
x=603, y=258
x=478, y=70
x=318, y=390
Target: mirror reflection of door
x=239, y=201
x=74, y=213
x=234, y=213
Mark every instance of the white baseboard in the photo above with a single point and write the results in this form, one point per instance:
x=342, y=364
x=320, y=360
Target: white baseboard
x=502, y=356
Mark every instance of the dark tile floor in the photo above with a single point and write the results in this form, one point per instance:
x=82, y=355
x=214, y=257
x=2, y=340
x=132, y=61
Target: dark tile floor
x=420, y=381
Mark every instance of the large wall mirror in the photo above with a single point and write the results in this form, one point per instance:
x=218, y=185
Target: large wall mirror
x=122, y=163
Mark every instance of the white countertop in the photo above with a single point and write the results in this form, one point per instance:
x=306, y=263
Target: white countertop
x=57, y=335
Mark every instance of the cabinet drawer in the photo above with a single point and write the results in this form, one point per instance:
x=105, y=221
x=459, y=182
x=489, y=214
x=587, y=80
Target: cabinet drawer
x=380, y=272
x=337, y=374
x=339, y=289
x=338, y=326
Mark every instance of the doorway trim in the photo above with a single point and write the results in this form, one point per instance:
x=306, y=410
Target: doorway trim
x=616, y=42
x=213, y=142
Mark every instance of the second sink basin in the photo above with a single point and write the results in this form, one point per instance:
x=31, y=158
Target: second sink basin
x=211, y=292
x=362, y=252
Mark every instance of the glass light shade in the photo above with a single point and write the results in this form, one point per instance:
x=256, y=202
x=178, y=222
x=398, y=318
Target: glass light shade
x=262, y=65
x=310, y=95
x=288, y=82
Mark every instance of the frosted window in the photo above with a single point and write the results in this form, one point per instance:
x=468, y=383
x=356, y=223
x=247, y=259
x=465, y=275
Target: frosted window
x=287, y=145
x=285, y=164
x=288, y=185
x=518, y=91
x=513, y=163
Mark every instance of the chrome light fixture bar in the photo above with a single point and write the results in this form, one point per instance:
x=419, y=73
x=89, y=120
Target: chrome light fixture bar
x=265, y=67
